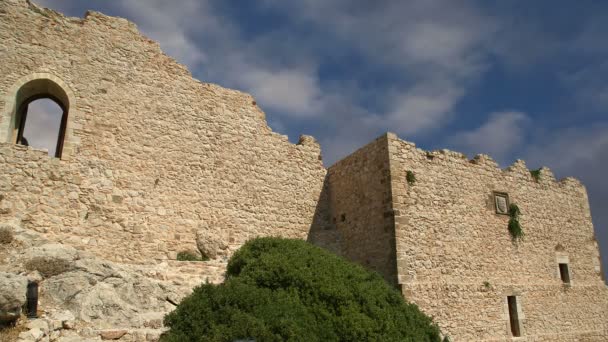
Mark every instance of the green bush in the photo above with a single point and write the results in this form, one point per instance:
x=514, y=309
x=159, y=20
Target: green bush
x=190, y=256
x=410, y=177
x=514, y=227
x=288, y=290
x=535, y=174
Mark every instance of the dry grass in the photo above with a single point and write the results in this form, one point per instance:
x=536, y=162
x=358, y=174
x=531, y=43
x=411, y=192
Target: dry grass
x=10, y=333
x=48, y=267
x=6, y=235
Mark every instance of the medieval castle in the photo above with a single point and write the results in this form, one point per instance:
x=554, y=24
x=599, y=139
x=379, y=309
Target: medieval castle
x=148, y=156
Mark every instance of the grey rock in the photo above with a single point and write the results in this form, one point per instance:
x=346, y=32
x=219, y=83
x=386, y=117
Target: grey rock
x=107, y=294
x=211, y=241
x=32, y=335
x=12, y=296
x=39, y=324
x=52, y=251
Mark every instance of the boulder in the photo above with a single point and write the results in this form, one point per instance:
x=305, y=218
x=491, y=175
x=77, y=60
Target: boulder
x=50, y=259
x=211, y=241
x=106, y=294
x=32, y=335
x=12, y=296
x=53, y=251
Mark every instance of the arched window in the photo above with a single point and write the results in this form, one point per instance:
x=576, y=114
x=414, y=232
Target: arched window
x=40, y=115
x=42, y=124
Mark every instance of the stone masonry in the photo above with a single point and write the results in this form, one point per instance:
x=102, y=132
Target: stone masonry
x=440, y=240
x=151, y=154
x=153, y=159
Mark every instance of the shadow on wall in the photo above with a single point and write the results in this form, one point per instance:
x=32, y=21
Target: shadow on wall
x=323, y=232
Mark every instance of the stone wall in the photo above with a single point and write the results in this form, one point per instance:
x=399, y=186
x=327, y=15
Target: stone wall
x=458, y=262
x=360, y=202
x=150, y=152
x=151, y=155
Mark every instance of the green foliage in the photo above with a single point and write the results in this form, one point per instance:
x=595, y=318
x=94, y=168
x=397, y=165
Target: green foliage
x=410, y=177
x=514, y=227
x=190, y=256
x=535, y=174
x=288, y=290
x=486, y=284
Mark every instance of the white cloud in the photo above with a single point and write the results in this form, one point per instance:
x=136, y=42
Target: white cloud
x=295, y=92
x=424, y=107
x=171, y=25
x=573, y=150
x=503, y=133
x=439, y=47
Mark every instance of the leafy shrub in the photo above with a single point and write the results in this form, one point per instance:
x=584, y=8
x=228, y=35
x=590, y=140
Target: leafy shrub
x=514, y=227
x=410, y=177
x=190, y=256
x=48, y=267
x=6, y=235
x=288, y=290
x=535, y=174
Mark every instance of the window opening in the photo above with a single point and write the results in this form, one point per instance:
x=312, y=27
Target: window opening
x=513, y=317
x=563, y=273
x=42, y=124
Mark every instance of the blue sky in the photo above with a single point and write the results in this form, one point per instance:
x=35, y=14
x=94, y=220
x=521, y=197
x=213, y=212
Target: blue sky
x=516, y=80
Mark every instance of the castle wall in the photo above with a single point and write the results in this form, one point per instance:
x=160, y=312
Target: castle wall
x=360, y=202
x=457, y=261
x=152, y=152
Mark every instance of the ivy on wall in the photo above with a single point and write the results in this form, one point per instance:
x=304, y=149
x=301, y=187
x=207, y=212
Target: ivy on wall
x=515, y=229
x=410, y=177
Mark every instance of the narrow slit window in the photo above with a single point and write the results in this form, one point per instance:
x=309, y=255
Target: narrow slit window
x=513, y=317
x=564, y=273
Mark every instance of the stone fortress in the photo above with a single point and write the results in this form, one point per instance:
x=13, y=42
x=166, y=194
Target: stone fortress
x=149, y=159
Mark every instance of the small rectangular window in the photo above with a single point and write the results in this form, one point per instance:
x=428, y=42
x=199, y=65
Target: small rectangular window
x=513, y=317
x=564, y=273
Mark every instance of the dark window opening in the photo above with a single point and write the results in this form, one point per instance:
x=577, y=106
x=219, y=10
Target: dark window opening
x=564, y=274
x=513, y=317
x=42, y=121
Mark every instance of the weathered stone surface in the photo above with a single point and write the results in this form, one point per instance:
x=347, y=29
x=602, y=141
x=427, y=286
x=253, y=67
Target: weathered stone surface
x=441, y=241
x=12, y=296
x=40, y=324
x=112, y=334
x=32, y=335
x=150, y=152
x=211, y=241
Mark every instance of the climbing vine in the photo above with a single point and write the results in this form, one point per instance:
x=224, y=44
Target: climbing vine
x=514, y=225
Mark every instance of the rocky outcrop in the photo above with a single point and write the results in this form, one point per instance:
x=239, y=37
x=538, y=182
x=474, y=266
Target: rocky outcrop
x=211, y=241
x=12, y=296
x=83, y=297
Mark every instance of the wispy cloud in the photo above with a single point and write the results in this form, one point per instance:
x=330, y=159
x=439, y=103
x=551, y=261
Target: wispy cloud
x=502, y=134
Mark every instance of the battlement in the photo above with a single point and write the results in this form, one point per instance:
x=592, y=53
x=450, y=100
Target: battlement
x=518, y=171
